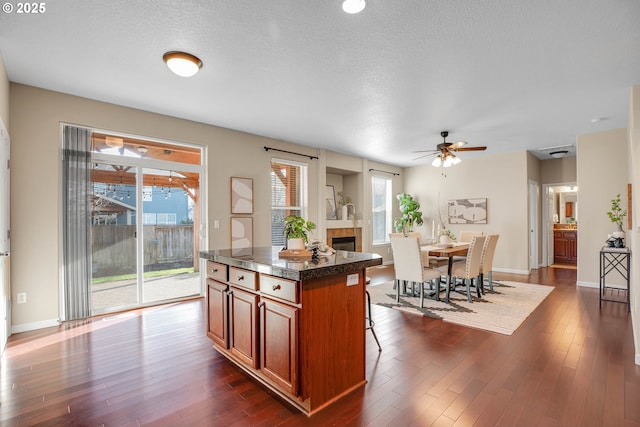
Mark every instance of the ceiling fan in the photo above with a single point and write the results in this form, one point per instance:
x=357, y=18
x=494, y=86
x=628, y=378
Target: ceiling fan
x=445, y=151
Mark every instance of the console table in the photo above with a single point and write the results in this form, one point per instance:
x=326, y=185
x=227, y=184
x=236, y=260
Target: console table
x=615, y=259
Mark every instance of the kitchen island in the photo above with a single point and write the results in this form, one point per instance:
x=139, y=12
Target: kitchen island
x=295, y=325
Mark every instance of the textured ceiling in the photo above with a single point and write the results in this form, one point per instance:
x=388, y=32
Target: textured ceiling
x=509, y=74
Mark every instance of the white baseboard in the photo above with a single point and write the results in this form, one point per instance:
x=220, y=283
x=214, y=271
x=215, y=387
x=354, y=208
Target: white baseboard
x=16, y=329
x=588, y=284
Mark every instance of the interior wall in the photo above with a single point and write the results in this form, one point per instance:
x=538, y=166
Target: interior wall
x=4, y=95
x=36, y=175
x=481, y=177
x=598, y=183
x=557, y=171
x=633, y=238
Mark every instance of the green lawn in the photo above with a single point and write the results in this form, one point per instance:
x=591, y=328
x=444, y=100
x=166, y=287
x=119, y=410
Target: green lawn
x=148, y=274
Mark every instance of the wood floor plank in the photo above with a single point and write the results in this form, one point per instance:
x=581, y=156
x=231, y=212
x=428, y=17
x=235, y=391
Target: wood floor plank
x=568, y=364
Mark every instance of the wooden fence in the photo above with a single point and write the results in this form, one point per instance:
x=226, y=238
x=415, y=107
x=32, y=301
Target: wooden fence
x=165, y=246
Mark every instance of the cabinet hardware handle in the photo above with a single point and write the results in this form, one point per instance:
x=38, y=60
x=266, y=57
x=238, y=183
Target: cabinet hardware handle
x=240, y=277
x=230, y=293
x=276, y=287
x=214, y=270
x=260, y=304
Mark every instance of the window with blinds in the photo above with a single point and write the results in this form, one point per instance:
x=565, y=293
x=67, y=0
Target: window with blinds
x=288, y=195
x=382, y=198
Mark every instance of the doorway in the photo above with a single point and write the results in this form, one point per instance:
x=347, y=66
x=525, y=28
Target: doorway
x=560, y=225
x=145, y=222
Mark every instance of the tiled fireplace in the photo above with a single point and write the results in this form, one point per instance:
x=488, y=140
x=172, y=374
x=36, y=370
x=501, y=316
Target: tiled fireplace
x=340, y=234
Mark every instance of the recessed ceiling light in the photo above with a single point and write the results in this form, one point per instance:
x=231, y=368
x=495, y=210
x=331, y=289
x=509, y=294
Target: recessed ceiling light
x=182, y=63
x=353, y=6
x=598, y=119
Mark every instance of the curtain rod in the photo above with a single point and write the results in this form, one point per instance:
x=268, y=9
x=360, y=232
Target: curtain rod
x=392, y=173
x=290, y=152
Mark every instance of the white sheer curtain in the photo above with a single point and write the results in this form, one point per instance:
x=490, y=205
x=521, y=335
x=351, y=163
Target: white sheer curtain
x=76, y=192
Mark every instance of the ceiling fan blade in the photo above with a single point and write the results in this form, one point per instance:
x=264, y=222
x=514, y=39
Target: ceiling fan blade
x=456, y=145
x=424, y=155
x=470, y=149
x=426, y=151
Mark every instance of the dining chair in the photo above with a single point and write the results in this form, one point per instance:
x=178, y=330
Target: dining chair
x=409, y=266
x=466, y=237
x=486, y=265
x=468, y=271
x=431, y=262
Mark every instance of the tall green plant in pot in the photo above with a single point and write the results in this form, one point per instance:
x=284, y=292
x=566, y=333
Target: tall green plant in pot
x=616, y=215
x=411, y=215
x=296, y=230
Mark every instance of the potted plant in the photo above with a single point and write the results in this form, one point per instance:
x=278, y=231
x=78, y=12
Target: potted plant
x=616, y=215
x=296, y=230
x=409, y=207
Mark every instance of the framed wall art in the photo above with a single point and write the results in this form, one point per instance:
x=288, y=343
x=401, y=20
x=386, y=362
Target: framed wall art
x=330, y=196
x=467, y=211
x=241, y=195
x=241, y=232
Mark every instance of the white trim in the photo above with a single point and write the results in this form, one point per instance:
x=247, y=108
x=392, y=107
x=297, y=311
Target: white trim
x=637, y=359
x=25, y=327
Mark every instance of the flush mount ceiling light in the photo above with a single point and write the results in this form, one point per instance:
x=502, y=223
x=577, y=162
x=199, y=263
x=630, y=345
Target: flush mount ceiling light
x=353, y=6
x=182, y=63
x=558, y=154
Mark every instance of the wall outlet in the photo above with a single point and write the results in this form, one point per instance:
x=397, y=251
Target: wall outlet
x=21, y=297
x=216, y=223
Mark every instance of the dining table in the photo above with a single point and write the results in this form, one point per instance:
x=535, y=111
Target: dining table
x=447, y=251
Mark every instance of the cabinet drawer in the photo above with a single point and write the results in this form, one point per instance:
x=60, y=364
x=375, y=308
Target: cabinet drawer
x=279, y=288
x=243, y=278
x=216, y=271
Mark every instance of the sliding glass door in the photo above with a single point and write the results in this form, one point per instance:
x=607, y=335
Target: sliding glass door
x=113, y=238
x=145, y=233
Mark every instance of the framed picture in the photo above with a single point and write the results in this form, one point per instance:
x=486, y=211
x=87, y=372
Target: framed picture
x=330, y=197
x=467, y=211
x=241, y=195
x=241, y=232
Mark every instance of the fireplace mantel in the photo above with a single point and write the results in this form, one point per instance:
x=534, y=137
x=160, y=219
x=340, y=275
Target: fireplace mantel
x=343, y=223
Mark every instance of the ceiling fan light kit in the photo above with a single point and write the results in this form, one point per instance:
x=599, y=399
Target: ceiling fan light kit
x=445, y=152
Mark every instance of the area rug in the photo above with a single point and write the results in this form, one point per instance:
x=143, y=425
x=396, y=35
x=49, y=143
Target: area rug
x=502, y=310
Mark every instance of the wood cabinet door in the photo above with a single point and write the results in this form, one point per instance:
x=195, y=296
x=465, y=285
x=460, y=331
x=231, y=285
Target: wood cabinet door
x=217, y=313
x=278, y=344
x=243, y=318
x=573, y=250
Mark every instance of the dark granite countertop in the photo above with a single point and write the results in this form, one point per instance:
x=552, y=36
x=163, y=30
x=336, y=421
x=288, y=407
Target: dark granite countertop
x=265, y=260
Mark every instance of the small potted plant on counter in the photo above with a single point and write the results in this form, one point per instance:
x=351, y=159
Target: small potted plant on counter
x=296, y=230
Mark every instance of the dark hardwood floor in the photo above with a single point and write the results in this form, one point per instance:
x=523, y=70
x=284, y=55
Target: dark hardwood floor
x=569, y=364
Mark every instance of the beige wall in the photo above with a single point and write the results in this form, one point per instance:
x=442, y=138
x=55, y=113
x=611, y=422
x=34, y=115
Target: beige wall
x=35, y=184
x=558, y=171
x=4, y=95
x=502, y=180
x=633, y=235
x=598, y=182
